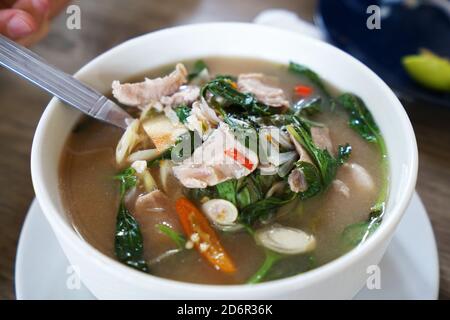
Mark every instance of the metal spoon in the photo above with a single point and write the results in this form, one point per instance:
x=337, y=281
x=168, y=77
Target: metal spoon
x=60, y=84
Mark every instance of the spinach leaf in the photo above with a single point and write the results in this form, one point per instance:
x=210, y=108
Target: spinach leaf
x=224, y=88
x=312, y=177
x=128, y=239
x=128, y=243
x=263, y=208
x=182, y=111
x=357, y=233
x=199, y=66
x=361, y=119
x=325, y=162
x=176, y=237
x=308, y=107
x=309, y=74
x=227, y=191
x=320, y=174
x=249, y=191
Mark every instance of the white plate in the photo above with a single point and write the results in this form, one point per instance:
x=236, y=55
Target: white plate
x=409, y=269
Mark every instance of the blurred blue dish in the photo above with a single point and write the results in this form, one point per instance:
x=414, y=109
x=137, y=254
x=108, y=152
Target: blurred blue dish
x=404, y=30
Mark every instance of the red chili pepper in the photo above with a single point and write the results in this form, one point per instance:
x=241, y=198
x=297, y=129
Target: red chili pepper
x=193, y=221
x=303, y=91
x=239, y=157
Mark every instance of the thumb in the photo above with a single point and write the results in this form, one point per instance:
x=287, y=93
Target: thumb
x=16, y=23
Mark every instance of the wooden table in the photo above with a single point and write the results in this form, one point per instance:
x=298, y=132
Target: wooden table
x=106, y=23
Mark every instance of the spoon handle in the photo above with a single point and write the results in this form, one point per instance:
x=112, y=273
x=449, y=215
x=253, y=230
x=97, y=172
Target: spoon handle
x=60, y=84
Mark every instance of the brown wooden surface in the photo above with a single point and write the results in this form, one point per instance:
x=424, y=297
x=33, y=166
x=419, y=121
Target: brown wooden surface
x=106, y=23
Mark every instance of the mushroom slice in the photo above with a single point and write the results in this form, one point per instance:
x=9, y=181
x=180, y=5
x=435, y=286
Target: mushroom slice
x=286, y=240
x=221, y=212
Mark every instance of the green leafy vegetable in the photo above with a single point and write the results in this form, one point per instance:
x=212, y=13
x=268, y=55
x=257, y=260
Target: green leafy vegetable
x=199, y=66
x=361, y=120
x=308, y=107
x=357, y=233
x=176, y=237
x=312, y=177
x=128, y=243
x=264, y=207
x=227, y=191
x=183, y=112
x=127, y=180
x=309, y=74
x=224, y=88
x=324, y=161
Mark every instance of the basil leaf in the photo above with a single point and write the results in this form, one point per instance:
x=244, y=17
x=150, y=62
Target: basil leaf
x=361, y=119
x=357, y=233
x=222, y=87
x=227, y=191
x=128, y=243
x=199, y=66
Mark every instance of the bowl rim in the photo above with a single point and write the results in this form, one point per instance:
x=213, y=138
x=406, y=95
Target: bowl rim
x=113, y=267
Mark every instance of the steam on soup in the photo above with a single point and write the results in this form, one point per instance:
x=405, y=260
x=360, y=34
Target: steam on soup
x=239, y=171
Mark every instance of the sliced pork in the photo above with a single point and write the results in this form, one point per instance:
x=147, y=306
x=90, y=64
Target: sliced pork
x=321, y=138
x=221, y=157
x=260, y=86
x=202, y=118
x=341, y=187
x=150, y=210
x=303, y=154
x=139, y=94
x=186, y=95
x=297, y=181
x=359, y=176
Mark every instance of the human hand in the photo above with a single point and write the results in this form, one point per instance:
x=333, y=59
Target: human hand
x=27, y=21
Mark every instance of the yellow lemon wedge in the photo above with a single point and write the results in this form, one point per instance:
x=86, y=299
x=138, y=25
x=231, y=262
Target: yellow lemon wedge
x=429, y=70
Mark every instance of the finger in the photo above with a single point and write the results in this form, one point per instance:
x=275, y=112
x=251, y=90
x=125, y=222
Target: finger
x=39, y=9
x=16, y=24
x=35, y=36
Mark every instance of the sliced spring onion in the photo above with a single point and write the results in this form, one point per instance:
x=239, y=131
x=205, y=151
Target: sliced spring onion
x=220, y=212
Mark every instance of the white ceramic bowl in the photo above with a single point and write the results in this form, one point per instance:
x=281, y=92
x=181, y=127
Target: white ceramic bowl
x=341, y=278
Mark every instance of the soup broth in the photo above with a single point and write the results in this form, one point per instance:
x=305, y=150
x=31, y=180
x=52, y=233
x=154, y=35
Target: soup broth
x=92, y=196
